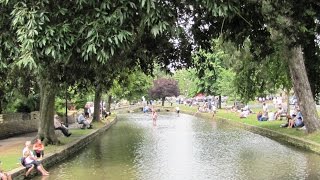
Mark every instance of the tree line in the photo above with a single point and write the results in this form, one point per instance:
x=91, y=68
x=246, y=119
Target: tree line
x=52, y=46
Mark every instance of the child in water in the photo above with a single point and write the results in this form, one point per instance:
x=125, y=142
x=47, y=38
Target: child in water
x=154, y=117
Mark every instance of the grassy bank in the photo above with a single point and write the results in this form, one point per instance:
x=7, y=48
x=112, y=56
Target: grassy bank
x=11, y=157
x=252, y=120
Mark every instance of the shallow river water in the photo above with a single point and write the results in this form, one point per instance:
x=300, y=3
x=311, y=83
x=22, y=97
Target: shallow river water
x=184, y=148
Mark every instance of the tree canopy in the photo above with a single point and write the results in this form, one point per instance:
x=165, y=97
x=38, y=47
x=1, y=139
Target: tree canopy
x=163, y=88
x=79, y=43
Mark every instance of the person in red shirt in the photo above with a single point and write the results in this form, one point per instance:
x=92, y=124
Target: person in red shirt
x=38, y=148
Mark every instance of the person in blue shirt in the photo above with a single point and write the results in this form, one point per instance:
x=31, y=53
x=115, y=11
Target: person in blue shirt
x=83, y=119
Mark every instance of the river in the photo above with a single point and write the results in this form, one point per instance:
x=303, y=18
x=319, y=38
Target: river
x=184, y=148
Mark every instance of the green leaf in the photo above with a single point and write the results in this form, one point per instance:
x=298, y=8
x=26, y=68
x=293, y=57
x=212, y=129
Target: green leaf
x=48, y=50
x=90, y=33
x=143, y=3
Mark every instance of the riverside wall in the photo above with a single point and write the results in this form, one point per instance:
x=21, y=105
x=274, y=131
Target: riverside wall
x=67, y=151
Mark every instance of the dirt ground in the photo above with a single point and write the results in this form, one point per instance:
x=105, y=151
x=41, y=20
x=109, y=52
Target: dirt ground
x=10, y=144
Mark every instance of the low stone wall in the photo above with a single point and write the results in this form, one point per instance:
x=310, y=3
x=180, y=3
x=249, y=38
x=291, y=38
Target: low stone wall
x=18, y=123
x=13, y=124
x=279, y=137
x=282, y=138
x=67, y=151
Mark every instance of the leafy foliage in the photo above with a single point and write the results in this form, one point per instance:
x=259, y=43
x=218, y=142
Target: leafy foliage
x=164, y=88
x=132, y=87
x=187, y=81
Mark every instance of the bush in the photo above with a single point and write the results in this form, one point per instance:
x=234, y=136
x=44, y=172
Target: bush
x=24, y=104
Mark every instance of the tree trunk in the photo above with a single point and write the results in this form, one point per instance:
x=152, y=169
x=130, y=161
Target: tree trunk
x=1, y=99
x=288, y=100
x=163, y=99
x=0, y=106
x=97, y=100
x=302, y=89
x=108, y=107
x=47, y=99
x=219, y=102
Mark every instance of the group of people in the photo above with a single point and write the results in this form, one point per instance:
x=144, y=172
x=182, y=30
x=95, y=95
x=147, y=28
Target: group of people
x=207, y=107
x=268, y=115
x=31, y=157
x=245, y=112
x=32, y=154
x=82, y=119
x=265, y=114
x=294, y=119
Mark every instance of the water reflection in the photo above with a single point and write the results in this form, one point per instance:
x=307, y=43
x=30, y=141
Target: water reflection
x=185, y=148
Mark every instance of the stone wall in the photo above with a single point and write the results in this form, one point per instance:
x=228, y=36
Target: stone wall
x=277, y=136
x=18, y=123
x=12, y=124
x=65, y=152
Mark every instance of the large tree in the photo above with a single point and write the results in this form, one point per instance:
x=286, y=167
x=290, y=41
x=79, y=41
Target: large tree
x=239, y=20
x=55, y=36
x=163, y=88
x=187, y=81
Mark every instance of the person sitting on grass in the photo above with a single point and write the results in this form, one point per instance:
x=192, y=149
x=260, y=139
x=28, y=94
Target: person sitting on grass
x=299, y=122
x=244, y=113
x=233, y=109
x=291, y=121
x=296, y=122
x=259, y=116
x=289, y=118
x=262, y=116
x=271, y=116
x=38, y=149
x=4, y=175
x=31, y=161
x=265, y=116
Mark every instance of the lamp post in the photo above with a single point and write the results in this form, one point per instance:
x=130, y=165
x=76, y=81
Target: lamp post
x=67, y=106
x=66, y=95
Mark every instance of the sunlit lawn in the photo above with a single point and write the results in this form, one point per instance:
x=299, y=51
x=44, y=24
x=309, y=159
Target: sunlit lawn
x=11, y=158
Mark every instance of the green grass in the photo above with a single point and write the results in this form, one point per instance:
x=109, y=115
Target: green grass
x=10, y=161
x=11, y=158
x=252, y=120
